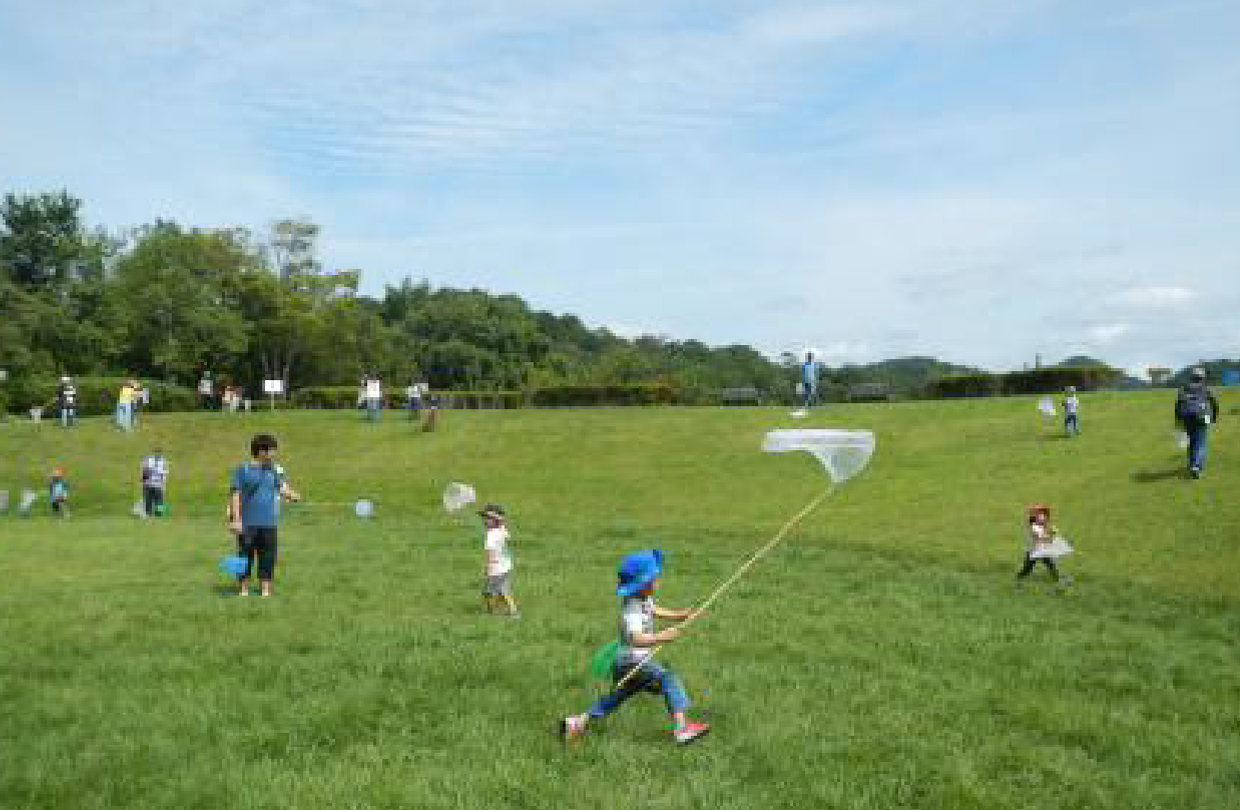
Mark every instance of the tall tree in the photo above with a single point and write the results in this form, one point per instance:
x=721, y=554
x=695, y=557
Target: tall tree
x=42, y=242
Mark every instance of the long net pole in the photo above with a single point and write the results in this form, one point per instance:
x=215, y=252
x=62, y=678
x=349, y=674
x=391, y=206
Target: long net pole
x=736, y=575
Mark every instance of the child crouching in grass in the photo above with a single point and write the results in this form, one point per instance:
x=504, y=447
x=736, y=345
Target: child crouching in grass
x=640, y=575
x=1041, y=536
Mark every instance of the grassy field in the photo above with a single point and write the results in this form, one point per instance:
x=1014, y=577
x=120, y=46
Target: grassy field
x=878, y=659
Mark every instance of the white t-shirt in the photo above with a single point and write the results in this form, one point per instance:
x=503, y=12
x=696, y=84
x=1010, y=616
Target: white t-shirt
x=1039, y=534
x=636, y=616
x=154, y=471
x=497, y=541
x=374, y=389
x=1070, y=404
x=204, y=386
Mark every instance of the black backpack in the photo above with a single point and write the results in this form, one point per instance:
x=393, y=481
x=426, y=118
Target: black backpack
x=1194, y=405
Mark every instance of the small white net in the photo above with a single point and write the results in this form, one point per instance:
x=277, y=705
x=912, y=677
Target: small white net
x=843, y=453
x=456, y=495
x=364, y=508
x=1052, y=550
x=1047, y=406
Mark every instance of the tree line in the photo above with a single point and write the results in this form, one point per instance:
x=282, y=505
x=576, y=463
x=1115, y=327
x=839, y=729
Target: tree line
x=164, y=301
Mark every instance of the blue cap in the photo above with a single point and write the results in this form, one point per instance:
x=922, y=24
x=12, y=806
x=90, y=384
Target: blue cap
x=637, y=570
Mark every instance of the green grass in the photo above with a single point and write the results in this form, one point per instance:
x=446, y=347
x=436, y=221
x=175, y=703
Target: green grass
x=877, y=659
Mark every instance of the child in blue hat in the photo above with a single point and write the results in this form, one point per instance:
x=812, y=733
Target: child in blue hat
x=640, y=575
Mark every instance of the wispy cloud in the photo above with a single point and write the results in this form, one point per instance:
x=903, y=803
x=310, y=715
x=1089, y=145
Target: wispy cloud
x=1156, y=298
x=978, y=179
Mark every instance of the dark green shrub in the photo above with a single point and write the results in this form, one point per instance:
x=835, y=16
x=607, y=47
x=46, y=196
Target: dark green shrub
x=964, y=385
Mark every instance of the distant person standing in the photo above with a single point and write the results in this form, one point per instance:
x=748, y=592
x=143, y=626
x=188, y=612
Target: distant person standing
x=413, y=396
x=154, y=481
x=124, y=406
x=1071, y=412
x=141, y=398
x=809, y=380
x=66, y=401
x=1196, y=408
x=374, y=397
x=206, y=392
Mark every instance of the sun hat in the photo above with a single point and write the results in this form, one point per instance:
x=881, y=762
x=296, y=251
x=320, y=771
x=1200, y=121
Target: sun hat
x=637, y=570
x=492, y=510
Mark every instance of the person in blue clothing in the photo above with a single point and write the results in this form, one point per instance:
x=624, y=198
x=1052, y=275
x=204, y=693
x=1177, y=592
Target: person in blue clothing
x=809, y=380
x=634, y=669
x=1196, y=409
x=253, y=510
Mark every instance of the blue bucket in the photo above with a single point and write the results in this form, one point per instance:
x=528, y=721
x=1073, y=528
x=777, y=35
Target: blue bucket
x=235, y=565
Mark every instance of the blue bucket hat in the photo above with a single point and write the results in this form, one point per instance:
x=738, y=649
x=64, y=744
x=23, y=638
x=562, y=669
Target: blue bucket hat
x=637, y=570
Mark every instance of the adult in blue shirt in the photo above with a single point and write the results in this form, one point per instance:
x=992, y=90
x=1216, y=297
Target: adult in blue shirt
x=253, y=510
x=809, y=380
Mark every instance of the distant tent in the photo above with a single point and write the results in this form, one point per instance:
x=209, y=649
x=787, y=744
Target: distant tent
x=1231, y=376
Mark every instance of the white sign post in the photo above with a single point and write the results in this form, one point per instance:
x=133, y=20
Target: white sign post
x=271, y=388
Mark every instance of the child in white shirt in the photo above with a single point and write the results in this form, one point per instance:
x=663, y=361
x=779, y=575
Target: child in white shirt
x=497, y=566
x=1071, y=418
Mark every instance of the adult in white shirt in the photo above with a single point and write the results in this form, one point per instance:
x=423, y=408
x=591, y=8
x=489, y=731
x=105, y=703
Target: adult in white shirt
x=374, y=397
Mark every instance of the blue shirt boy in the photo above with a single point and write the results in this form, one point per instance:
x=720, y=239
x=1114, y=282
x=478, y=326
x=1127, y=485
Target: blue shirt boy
x=259, y=486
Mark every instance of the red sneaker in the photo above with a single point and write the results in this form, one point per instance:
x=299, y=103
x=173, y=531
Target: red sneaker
x=690, y=732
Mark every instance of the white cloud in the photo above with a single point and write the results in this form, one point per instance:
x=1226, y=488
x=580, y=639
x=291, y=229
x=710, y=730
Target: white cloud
x=1156, y=298
x=1109, y=333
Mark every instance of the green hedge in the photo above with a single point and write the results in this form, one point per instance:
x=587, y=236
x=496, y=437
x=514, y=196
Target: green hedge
x=582, y=395
x=1032, y=381
x=345, y=397
x=95, y=395
x=964, y=385
x=1056, y=378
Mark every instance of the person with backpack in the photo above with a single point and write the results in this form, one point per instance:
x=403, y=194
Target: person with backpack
x=1196, y=408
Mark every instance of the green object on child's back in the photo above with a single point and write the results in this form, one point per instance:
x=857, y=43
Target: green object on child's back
x=602, y=662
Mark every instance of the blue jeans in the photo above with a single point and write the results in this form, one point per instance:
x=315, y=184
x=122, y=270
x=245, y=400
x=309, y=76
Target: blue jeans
x=652, y=677
x=810, y=396
x=1197, y=445
x=1072, y=424
x=124, y=416
x=66, y=416
x=372, y=409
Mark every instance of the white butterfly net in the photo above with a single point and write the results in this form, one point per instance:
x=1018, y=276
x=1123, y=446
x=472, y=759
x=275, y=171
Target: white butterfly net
x=1047, y=406
x=29, y=496
x=1052, y=550
x=456, y=495
x=843, y=453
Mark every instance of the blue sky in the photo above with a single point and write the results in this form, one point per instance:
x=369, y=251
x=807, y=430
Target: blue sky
x=978, y=180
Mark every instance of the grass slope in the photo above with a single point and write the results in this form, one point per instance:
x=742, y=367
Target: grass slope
x=878, y=659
